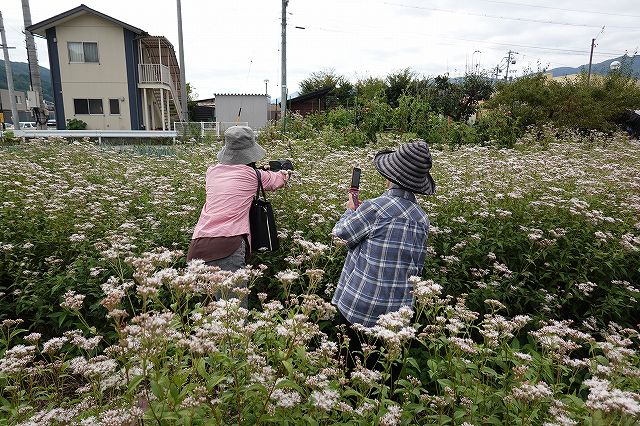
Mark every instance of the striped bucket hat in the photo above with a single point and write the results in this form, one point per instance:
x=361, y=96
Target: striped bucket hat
x=408, y=167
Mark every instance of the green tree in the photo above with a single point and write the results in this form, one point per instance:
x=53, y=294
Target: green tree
x=192, y=96
x=473, y=89
x=369, y=89
x=443, y=95
x=399, y=83
x=341, y=93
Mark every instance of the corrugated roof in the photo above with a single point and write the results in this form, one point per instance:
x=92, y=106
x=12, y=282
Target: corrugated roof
x=42, y=26
x=240, y=94
x=311, y=95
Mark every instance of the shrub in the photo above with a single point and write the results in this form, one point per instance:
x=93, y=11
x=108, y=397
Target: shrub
x=373, y=117
x=340, y=117
x=598, y=104
x=76, y=124
x=497, y=127
x=9, y=138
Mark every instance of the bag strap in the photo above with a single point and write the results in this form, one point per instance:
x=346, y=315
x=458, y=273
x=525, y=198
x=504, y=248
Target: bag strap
x=260, y=187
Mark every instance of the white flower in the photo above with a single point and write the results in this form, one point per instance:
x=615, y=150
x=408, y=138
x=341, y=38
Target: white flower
x=72, y=300
x=325, y=399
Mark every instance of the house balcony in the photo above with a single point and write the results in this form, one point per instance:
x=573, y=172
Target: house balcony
x=154, y=75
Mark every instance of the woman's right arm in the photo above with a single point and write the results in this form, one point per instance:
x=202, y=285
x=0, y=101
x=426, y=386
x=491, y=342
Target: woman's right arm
x=273, y=180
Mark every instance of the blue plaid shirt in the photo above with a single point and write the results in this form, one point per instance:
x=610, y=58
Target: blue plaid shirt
x=386, y=237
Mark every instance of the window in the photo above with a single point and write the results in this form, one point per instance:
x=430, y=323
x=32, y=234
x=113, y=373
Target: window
x=83, y=51
x=114, y=106
x=88, y=106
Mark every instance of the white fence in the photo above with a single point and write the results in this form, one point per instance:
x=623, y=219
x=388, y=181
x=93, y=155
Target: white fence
x=198, y=128
x=203, y=128
x=224, y=125
x=99, y=134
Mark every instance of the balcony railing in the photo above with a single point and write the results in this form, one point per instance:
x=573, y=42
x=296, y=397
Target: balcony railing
x=154, y=73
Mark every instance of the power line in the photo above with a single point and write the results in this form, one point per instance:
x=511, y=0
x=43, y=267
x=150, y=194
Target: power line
x=379, y=32
x=485, y=15
x=560, y=8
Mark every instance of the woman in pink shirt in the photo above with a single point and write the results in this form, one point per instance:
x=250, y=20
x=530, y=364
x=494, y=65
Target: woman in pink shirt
x=221, y=236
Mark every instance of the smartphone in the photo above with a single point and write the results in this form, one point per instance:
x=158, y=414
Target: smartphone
x=354, y=190
x=355, y=177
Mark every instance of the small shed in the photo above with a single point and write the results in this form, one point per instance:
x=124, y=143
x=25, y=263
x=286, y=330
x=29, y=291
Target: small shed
x=203, y=110
x=243, y=108
x=310, y=102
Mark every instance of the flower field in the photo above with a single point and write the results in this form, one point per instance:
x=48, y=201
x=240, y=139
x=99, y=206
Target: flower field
x=526, y=313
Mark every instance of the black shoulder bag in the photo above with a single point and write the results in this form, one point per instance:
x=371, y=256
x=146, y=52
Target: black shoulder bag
x=264, y=236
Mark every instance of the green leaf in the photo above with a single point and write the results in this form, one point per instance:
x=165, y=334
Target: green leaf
x=133, y=384
x=288, y=365
x=351, y=392
x=412, y=362
x=214, y=381
x=156, y=389
x=201, y=368
x=310, y=420
x=445, y=383
x=289, y=384
x=489, y=371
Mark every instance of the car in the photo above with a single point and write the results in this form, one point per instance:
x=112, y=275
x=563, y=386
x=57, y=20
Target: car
x=27, y=125
x=8, y=126
x=52, y=123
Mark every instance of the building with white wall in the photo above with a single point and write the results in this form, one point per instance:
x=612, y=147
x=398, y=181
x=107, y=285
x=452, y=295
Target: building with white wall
x=242, y=108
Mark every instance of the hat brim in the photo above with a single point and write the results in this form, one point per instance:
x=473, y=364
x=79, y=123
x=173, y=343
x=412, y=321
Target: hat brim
x=385, y=168
x=243, y=156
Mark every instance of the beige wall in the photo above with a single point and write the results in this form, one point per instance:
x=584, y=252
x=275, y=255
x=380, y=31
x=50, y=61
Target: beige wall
x=104, y=80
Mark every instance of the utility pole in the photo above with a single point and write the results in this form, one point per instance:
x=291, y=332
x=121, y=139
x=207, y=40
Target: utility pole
x=7, y=63
x=283, y=82
x=39, y=108
x=506, y=75
x=183, y=82
x=593, y=44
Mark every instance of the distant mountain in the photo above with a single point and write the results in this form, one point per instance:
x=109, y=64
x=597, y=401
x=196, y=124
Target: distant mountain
x=601, y=68
x=22, y=78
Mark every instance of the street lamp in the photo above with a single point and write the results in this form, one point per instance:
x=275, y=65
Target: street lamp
x=476, y=66
x=266, y=86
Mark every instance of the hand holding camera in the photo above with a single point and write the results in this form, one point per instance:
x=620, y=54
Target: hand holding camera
x=283, y=166
x=279, y=165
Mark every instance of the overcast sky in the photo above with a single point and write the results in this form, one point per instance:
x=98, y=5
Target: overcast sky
x=233, y=46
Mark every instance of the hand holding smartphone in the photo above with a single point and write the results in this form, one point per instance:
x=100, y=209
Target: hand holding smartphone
x=354, y=189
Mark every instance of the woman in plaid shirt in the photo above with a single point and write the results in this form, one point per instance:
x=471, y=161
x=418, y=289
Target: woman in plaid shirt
x=386, y=238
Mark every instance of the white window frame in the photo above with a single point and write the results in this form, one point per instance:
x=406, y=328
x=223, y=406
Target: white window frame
x=83, y=56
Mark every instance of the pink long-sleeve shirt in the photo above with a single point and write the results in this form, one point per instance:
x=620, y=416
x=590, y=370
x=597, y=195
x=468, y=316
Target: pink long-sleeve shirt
x=230, y=190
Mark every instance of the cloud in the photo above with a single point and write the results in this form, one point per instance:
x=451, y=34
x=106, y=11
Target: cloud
x=234, y=46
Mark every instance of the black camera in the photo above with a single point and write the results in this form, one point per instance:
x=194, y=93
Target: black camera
x=277, y=165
